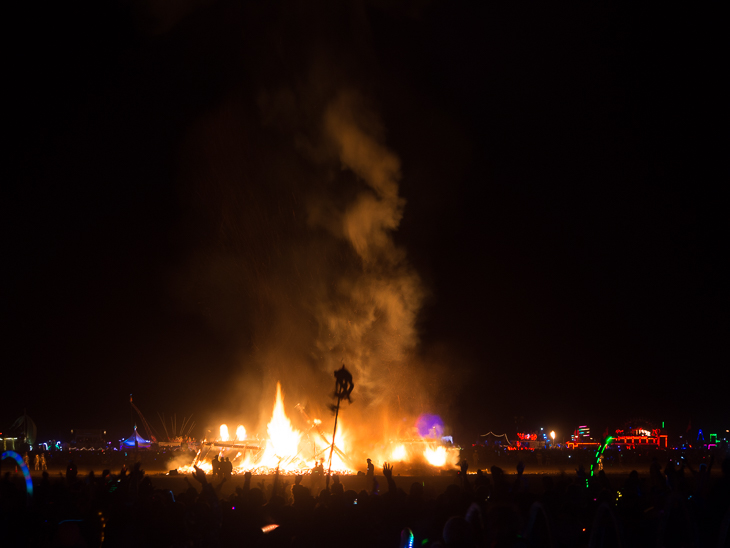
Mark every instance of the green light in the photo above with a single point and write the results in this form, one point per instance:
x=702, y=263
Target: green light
x=600, y=450
x=662, y=424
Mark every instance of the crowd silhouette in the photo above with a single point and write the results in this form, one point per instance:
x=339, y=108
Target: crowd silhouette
x=670, y=505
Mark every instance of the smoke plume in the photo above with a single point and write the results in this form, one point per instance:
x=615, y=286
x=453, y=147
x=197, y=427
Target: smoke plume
x=293, y=197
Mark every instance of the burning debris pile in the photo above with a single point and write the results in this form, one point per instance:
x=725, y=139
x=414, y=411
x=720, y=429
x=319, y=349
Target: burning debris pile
x=296, y=451
x=284, y=447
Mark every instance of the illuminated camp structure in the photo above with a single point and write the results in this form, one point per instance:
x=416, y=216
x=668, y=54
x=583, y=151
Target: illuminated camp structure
x=88, y=438
x=490, y=438
x=581, y=438
x=135, y=440
x=640, y=438
x=624, y=437
x=8, y=444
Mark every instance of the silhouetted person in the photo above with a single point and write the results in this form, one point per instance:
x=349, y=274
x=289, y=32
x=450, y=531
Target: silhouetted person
x=344, y=384
x=370, y=476
x=215, y=463
x=317, y=477
x=298, y=492
x=337, y=487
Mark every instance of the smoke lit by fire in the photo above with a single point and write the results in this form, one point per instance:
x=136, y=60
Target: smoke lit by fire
x=295, y=200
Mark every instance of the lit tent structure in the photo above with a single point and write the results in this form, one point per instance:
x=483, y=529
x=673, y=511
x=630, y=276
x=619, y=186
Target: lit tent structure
x=140, y=441
x=26, y=427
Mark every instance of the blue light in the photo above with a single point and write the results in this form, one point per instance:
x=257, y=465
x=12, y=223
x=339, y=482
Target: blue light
x=23, y=468
x=430, y=426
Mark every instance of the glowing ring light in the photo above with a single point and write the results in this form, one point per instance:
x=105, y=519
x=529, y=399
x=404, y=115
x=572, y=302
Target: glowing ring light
x=26, y=473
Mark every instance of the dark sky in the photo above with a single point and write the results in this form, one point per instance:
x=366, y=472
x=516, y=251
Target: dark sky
x=562, y=178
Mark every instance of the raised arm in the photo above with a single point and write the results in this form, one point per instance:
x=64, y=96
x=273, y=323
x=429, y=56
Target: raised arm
x=388, y=473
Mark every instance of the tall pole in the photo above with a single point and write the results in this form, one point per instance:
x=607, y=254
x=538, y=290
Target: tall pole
x=332, y=447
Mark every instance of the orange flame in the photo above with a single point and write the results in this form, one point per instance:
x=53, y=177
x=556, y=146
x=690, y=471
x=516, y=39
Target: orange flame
x=399, y=454
x=282, y=447
x=435, y=456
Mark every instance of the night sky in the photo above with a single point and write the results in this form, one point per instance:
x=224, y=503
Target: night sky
x=563, y=222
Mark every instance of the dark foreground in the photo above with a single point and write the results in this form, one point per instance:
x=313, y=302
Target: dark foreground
x=660, y=506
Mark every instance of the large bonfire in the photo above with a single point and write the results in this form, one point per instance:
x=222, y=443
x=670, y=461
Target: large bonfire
x=293, y=451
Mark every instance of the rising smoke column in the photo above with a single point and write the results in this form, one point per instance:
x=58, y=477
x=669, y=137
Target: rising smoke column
x=372, y=323
x=294, y=200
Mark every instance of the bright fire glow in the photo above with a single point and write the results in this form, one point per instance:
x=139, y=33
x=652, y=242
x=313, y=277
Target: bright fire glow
x=435, y=457
x=399, y=454
x=206, y=467
x=282, y=447
x=323, y=449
